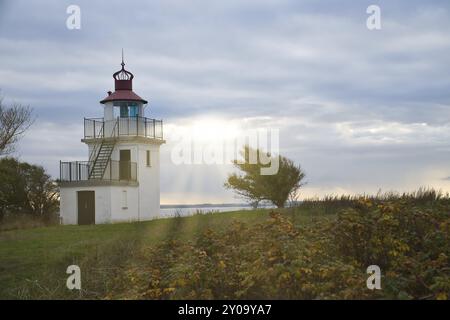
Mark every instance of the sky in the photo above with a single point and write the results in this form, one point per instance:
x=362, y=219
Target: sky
x=360, y=110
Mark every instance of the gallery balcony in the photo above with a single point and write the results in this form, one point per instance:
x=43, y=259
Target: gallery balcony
x=98, y=128
x=87, y=173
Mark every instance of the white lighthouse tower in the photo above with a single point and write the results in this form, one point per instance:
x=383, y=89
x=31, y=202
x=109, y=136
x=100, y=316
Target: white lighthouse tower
x=120, y=179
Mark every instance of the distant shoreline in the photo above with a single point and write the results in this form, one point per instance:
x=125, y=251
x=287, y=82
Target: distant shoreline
x=213, y=205
x=204, y=205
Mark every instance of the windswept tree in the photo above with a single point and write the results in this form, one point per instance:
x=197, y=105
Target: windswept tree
x=247, y=185
x=14, y=121
x=254, y=186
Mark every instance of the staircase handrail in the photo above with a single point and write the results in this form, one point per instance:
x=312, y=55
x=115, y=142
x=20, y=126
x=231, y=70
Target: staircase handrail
x=96, y=151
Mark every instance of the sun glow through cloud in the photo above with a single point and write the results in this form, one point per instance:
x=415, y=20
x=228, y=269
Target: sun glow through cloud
x=358, y=110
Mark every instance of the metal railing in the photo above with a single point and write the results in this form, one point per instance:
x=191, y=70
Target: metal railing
x=98, y=128
x=115, y=171
x=74, y=171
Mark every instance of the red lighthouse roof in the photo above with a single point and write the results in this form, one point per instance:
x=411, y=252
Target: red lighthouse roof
x=123, y=82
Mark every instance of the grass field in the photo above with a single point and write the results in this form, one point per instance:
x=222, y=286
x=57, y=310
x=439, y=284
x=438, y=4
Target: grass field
x=319, y=250
x=33, y=261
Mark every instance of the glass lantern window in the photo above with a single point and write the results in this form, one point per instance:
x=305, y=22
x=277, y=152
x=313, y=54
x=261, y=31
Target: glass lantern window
x=124, y=111
x=134, y=110
x=127, y=109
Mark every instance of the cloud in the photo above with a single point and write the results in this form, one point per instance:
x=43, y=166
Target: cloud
x=358, y=109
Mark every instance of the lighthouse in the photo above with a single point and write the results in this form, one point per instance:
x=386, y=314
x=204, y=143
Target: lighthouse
x=119, y=181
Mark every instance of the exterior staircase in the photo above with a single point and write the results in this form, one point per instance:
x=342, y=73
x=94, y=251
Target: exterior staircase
x=102, y=158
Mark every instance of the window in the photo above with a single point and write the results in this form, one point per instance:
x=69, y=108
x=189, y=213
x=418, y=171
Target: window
x=148, y=159
x=124, y=200
x=134, y=110
x=124, y=111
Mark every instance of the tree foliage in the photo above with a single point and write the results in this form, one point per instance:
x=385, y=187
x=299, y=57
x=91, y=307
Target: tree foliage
x=255, y=187
x=26, y=189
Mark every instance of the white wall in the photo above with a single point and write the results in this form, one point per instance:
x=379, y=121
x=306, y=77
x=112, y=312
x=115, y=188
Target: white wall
x=108, y=112
x=149, y=183
x=148, y=177
x=69, y=204
x=121, y=211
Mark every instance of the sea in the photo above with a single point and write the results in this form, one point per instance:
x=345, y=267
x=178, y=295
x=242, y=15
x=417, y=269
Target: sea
x=171, y=211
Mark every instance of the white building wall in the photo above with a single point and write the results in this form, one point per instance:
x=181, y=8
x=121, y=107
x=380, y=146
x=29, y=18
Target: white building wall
x=148, y=195
x=149, y=185
x=69, y=204
x=108, y=113
x=124, y=203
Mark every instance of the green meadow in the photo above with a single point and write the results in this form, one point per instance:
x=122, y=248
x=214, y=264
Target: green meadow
x=33, y=262
x=317, y=250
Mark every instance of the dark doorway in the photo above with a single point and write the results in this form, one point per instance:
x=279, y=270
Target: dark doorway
x=125, y=165
x=86, y=207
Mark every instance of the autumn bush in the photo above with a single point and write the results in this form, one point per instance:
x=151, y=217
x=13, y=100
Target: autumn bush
x=410, y=242
x=274, y=259
x=278, y=259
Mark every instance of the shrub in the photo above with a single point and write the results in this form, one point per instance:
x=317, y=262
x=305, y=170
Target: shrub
x=272, y=260
x=277, y=259
x=410, y=243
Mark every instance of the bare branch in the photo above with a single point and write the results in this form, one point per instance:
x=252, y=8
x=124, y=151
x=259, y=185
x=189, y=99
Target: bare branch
x=14, y=121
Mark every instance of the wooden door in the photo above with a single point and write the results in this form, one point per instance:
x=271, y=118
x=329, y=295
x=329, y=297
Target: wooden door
x=86, y=207
x=124, y=165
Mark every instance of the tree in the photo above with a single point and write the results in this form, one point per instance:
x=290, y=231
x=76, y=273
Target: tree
x=27, y=189
x=255, y=187
x=14, y=121
x=12, y=195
